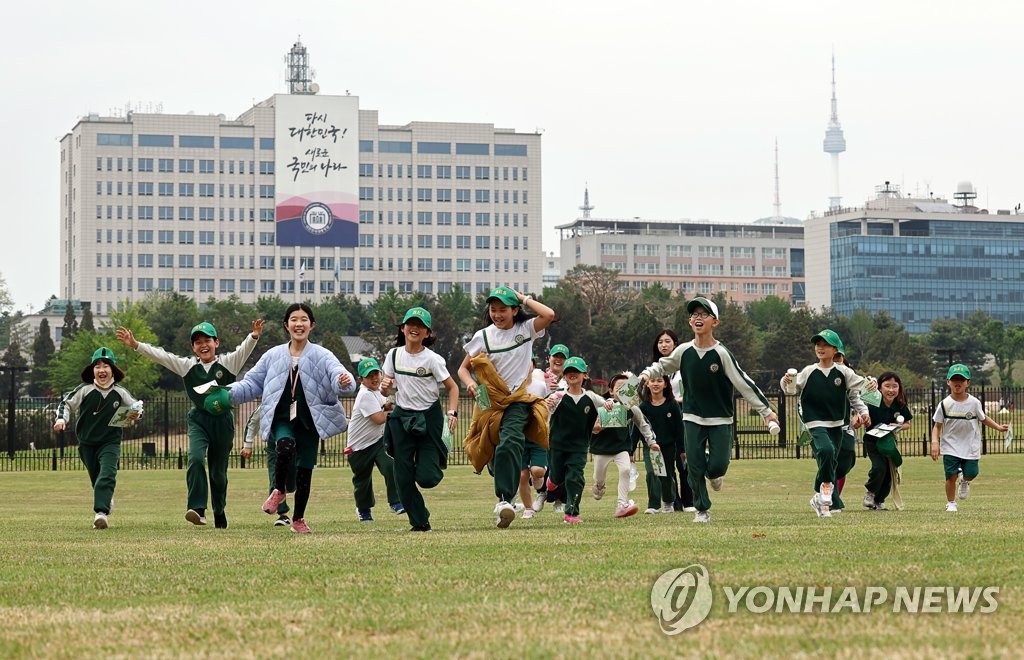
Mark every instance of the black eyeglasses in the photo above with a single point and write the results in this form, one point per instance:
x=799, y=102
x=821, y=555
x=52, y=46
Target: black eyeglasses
x=699, y=315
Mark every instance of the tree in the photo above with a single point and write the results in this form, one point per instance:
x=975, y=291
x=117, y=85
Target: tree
x=769, y=313
x=454, y=316
x=738, y=334
x=70, y=326
x=87, y=322
x=6, y=302
x=14, y=357
x=169, y=316
x=42, y=350
x=954, y=340
x=599, y=288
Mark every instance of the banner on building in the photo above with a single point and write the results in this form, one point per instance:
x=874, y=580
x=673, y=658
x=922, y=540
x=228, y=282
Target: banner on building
x=316, y=167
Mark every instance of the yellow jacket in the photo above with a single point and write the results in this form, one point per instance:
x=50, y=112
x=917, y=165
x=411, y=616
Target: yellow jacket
x=482, y=437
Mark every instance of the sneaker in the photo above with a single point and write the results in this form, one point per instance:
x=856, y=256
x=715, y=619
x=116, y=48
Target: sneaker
x=835, y=510
x=690, y=509
x=879, y=506
x=963, y=489
x=506, y=514
x=273, y=501
x=283, y=521
x=220, y=520
x=420, y=528
x=194, y=517
x=716, y=483
x=299, y=526
x=570, y=519
x=667, y=507
x=626, y=510
x=100, y=521
x=826, y=494
x=869, y=500
x=599, y=489
x=397, y=508
x=559, y=507
x=528, y=513
x=816, y=505
x=518, y=506
x=651, y=510
x=702, y=517
x=633, y=476
x=538, y=501
x=364, y=515
x=951, y=507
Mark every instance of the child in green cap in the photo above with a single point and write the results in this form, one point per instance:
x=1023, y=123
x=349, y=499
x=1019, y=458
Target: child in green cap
x=825, y=388
x=210, y=435
x=99, y=443
x=956, y=434
x=364, y=446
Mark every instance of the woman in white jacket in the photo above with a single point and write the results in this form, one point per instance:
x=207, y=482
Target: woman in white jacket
x=300, y=383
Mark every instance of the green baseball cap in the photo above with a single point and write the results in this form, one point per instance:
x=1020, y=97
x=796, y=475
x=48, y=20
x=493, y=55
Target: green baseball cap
x=217, y=401
x=105, y=354
x=576, y=363
x=204, y=328
x=418, y=313
x=829, y=337
x=711, y=307
x=505, y=295
x=367, y=367
x=559, y=349
x=958, y=369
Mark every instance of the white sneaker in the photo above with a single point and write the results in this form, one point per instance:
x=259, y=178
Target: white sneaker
x=816, y=505
x=869, y=500
x=599, y=489
x=528, y=513
x=652, y=510
x=539, y=499
x=951, y=507
x=193, y=517
x=667, y=507
x=879, y=506
x=963, y=490
x=506, y=514
x=702, y=517
x=559, y=507
x=689, y=509
x=519, y=506
x=826, y=494
x=716, y=483
x=633, y=476
x=100, y=521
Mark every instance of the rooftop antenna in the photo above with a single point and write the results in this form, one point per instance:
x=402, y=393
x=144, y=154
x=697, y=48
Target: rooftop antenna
x=586, y=208
x=965, y=194
x=835, y=143
x=299, y=75
x=778, y=204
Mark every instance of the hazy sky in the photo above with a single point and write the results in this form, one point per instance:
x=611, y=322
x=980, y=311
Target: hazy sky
x=666, y=110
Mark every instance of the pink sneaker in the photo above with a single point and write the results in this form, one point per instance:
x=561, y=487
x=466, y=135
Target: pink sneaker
x=626, y=510
x=570, y=519
x=299, y=526
x=272, y=502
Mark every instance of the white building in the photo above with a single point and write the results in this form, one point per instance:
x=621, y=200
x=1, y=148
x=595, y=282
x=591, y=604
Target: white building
x=747, y=261
x=187, y=203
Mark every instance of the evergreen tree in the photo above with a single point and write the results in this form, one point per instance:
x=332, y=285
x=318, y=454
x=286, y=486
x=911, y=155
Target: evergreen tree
x=42, y=350
x=70, y=326
x=87, y=322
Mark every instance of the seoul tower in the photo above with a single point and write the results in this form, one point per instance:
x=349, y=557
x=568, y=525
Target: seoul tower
x=835, y=143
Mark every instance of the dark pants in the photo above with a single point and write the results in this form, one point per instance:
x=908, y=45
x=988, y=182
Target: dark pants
x=418, y=460
x=660, y=489
x=879, y=477
x=101, y=463
x=717, y=440
x=282, y=508
x=825, y=443
x=210, y=439
x=684, y=492
x=508, y=455
x=567, y=467
x=362, y=463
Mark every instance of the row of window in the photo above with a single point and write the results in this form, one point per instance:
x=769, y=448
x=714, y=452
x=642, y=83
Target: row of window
x=710, y=288
x=702, y=269
x=166, y=189
x=185, y=213
x=686, y=251
x=461, y=148
x=480, y=172
x=462, y=195
x=185, y=165
x=183, y=141
x=184, y=237
x=227, y=286
x=444, y=218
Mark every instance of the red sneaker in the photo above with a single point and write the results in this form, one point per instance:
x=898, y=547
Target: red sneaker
x=272, y=502
x=570, y=519
x=299, y=526
x=626, y=510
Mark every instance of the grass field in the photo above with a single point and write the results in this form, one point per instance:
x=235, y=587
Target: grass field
x=153, y=585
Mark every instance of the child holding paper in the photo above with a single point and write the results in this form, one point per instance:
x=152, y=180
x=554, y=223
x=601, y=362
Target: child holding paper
x=662, y=413
x=956, y=434
x=94, y=403
x=891, y=409
x=612, y=443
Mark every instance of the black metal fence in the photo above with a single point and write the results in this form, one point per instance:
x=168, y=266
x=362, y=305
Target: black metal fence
x=160, y=440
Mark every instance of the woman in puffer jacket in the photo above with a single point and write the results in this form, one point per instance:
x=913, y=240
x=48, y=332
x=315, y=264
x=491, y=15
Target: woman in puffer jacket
x=300, y=383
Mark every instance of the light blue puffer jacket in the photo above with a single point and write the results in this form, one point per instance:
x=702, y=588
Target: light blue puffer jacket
x=318, y=373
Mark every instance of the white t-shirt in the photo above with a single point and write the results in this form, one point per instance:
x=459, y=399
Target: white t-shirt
x=961, y=427
x=538, y=385
x=416, y=376
x=362, y=432
x=511, y=351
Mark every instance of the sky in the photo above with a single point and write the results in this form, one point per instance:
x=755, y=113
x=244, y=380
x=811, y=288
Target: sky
x=664, y=110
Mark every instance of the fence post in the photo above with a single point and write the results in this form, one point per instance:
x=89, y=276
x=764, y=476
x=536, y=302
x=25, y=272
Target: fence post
x=167, y=428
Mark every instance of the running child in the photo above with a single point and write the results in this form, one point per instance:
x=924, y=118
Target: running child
x=252, y=431
x=365, y=448
x=956, y=434
x=94, y=403
x=662, y=412
x=892, y=405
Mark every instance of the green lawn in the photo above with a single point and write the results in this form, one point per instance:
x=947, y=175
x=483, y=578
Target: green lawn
x=153, y=585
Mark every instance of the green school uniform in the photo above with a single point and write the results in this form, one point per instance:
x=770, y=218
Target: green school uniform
x=569, y=438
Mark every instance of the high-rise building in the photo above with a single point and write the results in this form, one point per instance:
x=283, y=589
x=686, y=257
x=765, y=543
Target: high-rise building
x=917, y=259
x=303, y=196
